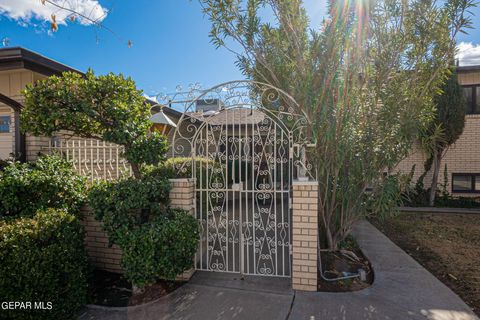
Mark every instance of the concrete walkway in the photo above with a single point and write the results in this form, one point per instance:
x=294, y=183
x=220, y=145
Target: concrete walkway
x=402, y=290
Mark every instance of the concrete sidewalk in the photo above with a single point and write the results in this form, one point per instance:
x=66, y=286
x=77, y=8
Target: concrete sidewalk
x=402, y=290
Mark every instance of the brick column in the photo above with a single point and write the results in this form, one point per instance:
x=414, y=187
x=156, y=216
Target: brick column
x=182, y=194
x=304, y=235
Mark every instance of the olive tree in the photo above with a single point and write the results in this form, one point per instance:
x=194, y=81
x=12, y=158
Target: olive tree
x=107, y=107
x=366, y=78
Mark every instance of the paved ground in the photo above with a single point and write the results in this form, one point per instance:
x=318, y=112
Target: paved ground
x=402, y=290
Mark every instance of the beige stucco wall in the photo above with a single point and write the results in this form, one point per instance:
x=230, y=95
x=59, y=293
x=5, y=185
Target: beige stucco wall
x=462, y=157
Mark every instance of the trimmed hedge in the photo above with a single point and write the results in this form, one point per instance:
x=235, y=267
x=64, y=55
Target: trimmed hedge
x=163, y=248
x=156, y=240
x=50, y=182
x=42, y=258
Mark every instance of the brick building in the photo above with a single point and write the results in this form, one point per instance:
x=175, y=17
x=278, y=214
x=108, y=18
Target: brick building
x=463, y=158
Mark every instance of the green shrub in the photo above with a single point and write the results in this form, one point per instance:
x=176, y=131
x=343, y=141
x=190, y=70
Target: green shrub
x=157, y=242
x=127, y=203
x=387, y=195
x=50, y=182
x=457, y=202
x=163, y=248
x=4, y=163
x=42, y=258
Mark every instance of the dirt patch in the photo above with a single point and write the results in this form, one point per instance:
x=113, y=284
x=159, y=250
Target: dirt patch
x=113, y=290
x=448, y=245
x=347, y=261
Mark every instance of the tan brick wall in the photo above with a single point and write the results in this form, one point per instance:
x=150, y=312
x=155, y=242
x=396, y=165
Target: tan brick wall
x=96, y=243
x=462, y=157
x=304, y=235
x=182, y=194
x=36, y=145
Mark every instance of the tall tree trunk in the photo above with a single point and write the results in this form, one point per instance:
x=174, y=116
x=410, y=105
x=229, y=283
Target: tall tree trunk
x=136, y=170
x=437, y=158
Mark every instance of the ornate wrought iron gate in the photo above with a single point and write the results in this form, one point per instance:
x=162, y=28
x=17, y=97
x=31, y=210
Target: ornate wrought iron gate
x=241, y=138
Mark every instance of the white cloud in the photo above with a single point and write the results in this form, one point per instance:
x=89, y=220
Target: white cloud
x=468, y=54
x=26, y=11
x=153, y=98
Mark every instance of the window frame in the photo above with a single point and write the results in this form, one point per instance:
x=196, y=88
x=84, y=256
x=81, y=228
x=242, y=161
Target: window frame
x=472, y=187
x=471, y=108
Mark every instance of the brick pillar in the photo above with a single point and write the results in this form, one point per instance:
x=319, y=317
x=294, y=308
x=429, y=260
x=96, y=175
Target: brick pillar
x=304, y=235
x=182, y=194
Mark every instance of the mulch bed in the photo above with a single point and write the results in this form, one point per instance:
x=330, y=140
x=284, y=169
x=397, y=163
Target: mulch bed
x=113, y=290
x=336, y=264
x=448, y=245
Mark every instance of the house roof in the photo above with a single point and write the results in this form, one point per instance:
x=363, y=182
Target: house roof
x=20, y=58
x=17, y=57
x=230, y=116
x=468, y=68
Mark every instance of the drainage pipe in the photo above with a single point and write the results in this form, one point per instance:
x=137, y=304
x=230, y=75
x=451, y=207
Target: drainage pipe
x=356, y=275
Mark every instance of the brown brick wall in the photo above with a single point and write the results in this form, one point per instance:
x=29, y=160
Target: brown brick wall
x=304, y=235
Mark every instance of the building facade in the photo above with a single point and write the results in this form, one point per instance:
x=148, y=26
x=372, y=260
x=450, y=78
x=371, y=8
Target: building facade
x=94, y=158
x=462, y=159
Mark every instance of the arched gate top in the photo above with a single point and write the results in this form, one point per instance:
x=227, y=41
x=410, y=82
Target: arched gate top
x=239, y=102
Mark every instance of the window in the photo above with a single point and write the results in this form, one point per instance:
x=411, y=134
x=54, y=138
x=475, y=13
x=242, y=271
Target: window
x=4, y=124
x=466, y=182
x=472, y=99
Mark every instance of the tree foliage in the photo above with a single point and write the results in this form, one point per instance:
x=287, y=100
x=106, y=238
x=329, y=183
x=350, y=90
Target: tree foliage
x=107, y=107
x=366, y=79
x=156, y=240
x=445, y=129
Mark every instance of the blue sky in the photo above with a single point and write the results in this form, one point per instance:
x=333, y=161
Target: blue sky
x=170, y=41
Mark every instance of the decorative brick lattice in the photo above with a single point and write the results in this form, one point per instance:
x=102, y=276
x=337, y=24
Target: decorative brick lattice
x=304, y=235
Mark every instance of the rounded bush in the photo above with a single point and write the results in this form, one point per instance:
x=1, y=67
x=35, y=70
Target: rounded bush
x=43, y=260
x=156, y=240
x=50, y=182
x=163, y=248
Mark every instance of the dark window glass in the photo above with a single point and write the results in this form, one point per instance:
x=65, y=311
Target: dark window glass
x=462, y=183
x=466, y=182
x=477, y=183
x=477, y=100
x=4, y=124
x=468, y=93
